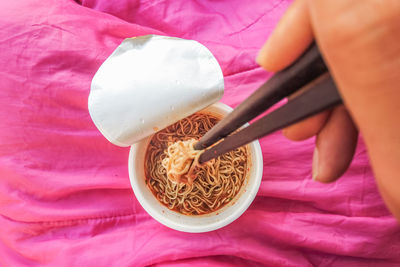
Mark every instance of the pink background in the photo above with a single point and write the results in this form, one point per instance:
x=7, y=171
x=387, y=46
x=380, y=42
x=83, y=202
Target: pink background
x=65, y=197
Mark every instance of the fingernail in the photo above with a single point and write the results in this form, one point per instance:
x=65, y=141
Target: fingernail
x=315, y=164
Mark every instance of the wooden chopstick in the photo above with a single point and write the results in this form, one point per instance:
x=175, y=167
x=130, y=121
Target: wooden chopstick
x=319, y=95
x=306, y=68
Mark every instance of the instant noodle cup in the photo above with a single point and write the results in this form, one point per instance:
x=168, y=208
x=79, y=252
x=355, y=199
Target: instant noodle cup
x=149, y=83
x=196, y=223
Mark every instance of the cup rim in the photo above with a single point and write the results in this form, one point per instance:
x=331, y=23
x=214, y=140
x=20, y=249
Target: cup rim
x=248, y=195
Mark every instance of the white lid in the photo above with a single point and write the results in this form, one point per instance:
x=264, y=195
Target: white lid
x=150, y=82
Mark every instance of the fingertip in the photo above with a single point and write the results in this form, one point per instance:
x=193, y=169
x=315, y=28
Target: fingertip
x=306, y=128
x=263, y=59
x=315, y=164
x=335, y=145
x=285, y=133
x=290, y=38
x=323, y=174
x=326, y=178
x=271, y=56
x=319, y=172
x=291, y=134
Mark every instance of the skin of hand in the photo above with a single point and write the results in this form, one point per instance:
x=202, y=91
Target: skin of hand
x=360, y=43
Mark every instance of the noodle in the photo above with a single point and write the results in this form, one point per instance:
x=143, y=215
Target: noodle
x=192, y=189
x=181, y=161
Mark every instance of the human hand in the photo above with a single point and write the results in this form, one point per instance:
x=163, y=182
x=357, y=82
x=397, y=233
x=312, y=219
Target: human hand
x=360, y=43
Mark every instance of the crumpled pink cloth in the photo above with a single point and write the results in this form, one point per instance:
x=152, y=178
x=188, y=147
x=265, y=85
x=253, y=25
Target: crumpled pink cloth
x=65, y=196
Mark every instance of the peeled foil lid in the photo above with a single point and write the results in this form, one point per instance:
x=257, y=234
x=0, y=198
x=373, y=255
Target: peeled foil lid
x=150, y=82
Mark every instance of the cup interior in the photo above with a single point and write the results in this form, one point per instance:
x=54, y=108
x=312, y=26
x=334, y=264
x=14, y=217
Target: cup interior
x=195, y=223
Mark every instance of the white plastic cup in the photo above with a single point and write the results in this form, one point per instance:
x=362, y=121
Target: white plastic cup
x=196, y=223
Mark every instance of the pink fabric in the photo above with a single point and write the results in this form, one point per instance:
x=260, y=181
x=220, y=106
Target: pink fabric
x=65, y=197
